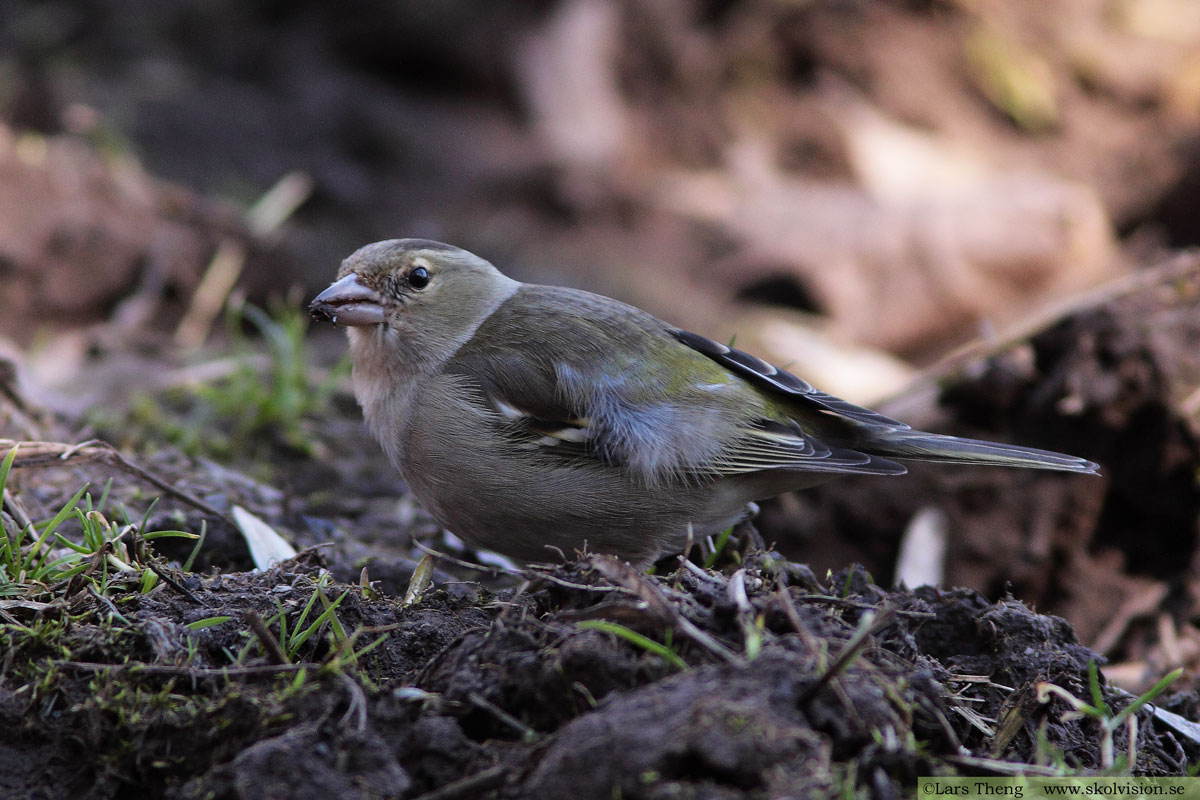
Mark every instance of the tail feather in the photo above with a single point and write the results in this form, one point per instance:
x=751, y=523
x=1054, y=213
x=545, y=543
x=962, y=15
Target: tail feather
x=920, y=446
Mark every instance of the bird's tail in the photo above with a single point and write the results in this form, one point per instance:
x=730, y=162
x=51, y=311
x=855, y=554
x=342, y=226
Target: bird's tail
x=921, y=446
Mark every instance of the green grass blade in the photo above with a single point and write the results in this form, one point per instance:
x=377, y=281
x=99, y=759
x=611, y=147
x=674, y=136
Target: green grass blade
x=152, y=535
x=300, y=638
x=5, y=467
x=1094, y=686
x=191, y=559
x=1152, y=693
x=146, y=517
x=634, y=638
x=63, y=541
x=104, y=495
x=207, y=622
x=36, y=554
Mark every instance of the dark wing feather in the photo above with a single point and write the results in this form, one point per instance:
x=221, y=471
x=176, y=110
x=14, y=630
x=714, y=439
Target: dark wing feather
x=769, y=445
x=844, y=425
x=772, y=378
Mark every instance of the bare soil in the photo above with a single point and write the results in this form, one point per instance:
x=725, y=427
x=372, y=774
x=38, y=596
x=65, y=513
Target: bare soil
x=507, y=696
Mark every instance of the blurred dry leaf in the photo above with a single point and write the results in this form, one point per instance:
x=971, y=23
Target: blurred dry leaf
x=1182, y=87
x=902, y=270
x=568, y=75
x=78, y=231
x=1014, y=79
x=895, y=162
x=1176, y=21
x=1146, y=51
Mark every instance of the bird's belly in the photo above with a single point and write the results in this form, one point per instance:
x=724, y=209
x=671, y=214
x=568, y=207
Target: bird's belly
x=530, y=502
x=532, y=512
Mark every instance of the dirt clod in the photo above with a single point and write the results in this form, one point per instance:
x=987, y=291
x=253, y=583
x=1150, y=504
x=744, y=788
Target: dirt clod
x=520, y=694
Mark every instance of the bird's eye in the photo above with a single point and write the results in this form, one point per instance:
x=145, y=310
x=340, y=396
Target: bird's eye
x=418, y=278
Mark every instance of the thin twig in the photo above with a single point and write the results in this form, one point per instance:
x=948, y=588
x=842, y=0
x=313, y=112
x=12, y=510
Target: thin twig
x=621, y=574
x=176, y=585
x=111, y=606
x=784, y=600
x=481, y=702
x=689, y=629
x=546, y=576
x=1003, y=767
x=857, y=642
x=470, y=786
x=187, y=672
x=56, y=454
x=17, y=511
x=275, y=651
x=358, y=703
x=736, y=589
x=467, y=564
x=1176, y=268
x=699, y=572
x=562, y=557
x=844, y=603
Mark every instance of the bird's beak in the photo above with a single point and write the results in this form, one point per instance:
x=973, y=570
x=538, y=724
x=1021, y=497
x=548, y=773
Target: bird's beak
x=347, y=302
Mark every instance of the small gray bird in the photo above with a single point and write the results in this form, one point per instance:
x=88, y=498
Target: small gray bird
x=525, y=417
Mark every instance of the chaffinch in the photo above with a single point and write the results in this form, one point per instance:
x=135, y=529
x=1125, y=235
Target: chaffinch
x=526, y=416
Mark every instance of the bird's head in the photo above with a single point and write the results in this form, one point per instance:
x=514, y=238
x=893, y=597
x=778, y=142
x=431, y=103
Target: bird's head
x=392, y=283
x=425, y=297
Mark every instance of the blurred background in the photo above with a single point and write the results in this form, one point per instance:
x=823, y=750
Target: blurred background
x=899, y=173
x=853, y=189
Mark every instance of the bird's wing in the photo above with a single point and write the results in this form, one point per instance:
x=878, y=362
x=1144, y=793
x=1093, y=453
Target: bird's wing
x=593, y=379
x=842, y=424
x=772, y=379
x=767, y=444
x=590, y=417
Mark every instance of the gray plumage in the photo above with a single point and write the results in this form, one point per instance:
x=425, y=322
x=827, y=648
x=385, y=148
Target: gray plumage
x=526, y=417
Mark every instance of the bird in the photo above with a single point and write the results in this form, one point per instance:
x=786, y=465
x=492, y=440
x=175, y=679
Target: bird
x=532, y=420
